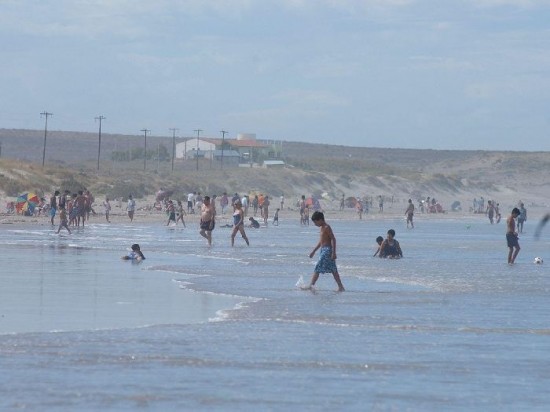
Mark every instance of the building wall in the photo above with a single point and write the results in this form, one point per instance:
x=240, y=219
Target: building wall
x=190, y=146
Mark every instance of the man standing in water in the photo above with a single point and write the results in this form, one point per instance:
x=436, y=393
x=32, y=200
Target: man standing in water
x=327, y=255
x=207, y=223
x=53, y=205
x=131, y=207
x=512, y=236
x=522, y=217
x=410, y=213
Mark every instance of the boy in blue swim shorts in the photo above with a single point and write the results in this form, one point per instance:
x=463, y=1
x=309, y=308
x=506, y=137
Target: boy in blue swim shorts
x=327, y=254
x=512, y=236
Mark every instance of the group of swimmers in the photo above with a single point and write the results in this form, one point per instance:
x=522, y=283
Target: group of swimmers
x=74, y=209
x=387, y=248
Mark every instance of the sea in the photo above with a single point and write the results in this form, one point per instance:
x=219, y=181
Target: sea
x=450, y=326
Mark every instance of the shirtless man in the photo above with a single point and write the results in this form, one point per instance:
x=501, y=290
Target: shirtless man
x=265, y=209
x=512, y=236
x=89, y=204
x=80, y=203
x=410, y=213
x=207, y=223
x=131, y=207
x=327, y=255
x=490, y=211
x=53, y=206
x=522, y=217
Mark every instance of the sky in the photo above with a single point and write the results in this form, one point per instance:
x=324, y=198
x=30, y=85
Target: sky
x=430, y=74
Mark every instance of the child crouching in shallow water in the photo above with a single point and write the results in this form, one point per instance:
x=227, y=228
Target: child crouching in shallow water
x=327, y=255
x=135, y=254
x=379, y=240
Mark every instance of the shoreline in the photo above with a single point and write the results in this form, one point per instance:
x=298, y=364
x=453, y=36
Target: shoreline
x=149, y=217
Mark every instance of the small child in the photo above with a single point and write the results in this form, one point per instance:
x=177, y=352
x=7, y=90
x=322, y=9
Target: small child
x=306, y=216
x=107, y=209
x=253, y=223
x=327, y=255
x=135, y=254
x=276, y=218
x=63, y=220
x=379, y=240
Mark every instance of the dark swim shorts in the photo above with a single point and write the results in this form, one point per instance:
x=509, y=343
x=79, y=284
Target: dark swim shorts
x=206, y=225
x=512, y=240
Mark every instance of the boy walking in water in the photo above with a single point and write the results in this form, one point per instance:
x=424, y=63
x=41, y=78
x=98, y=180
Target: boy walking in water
x=63, y=220
x=327, y=255
x=512, y=236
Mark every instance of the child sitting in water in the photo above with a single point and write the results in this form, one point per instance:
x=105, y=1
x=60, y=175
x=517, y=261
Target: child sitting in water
x=253, y=223
x=135, y=254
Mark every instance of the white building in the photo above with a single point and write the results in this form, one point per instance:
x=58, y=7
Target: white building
x=244, y=148
x=187, y=149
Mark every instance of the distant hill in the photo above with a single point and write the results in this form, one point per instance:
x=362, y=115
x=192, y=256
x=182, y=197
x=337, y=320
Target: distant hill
x=331, y=170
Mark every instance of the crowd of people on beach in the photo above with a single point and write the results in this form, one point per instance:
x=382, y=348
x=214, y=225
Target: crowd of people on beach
x=74, y=210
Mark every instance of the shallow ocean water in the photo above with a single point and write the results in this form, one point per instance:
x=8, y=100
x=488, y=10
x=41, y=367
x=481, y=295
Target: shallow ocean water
x=450, y=326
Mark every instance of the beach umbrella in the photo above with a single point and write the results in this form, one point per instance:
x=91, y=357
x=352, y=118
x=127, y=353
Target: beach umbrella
x=26, y=202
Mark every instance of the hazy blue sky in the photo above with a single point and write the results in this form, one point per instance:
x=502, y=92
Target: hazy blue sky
x=444, y=74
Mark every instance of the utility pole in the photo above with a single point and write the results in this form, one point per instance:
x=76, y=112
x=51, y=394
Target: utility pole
x=145, y=149
x=158, y=156
x=45, y=114
x=223, y=132
x=100, y=118
x=197, y=151
x=173, y=129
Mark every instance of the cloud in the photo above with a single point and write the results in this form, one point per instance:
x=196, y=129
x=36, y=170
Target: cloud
x=291, y=66
x=450, y=64
x=526, y=4
x=310, y=98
